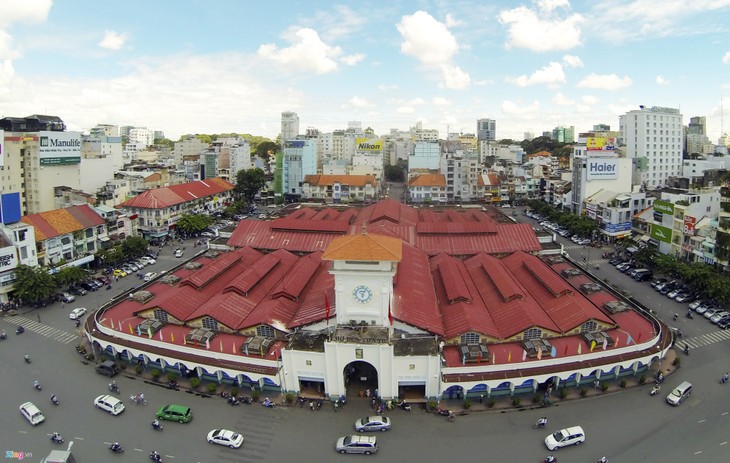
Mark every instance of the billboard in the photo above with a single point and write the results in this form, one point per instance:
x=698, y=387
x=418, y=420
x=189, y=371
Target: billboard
x=663, y=207
x=689, y=225
x=8, y=258
x=601, y=169
x=10, y=207
x=59, y=148
x=600, y=144
x=369, y=144
x=2, y=148
x=661, y=233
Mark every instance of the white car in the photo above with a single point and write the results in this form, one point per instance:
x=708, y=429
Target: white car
x=372, y=423
x=148, y=259
x=109, y=404
x=150, y=276
x=225, y=437
x=565, y=437
x=77, y=313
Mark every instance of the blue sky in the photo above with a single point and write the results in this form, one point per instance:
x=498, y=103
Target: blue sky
x=188, y=66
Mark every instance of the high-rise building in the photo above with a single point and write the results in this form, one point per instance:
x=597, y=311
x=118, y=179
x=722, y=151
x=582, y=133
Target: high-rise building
x=654, y=134
x=289, y=126
x=299, y=160
x=696, y=139
x=563, y=134
x=486, y=129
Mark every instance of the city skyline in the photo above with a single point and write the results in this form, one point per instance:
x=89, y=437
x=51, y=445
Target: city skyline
x=189, y=67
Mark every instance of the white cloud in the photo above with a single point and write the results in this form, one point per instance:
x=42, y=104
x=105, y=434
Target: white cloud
x=113, y=40
x=352, y=60
x=542, y=29
x=726, y=58
x=572, y=61
x=589, y=99
x=452, y=22
x=359, y=102
x=605, y=82
x=454, y=77
x=385, y=87
x=440, y=101
x=338, y=21
x=426, y=39
x=405, y=110
x=552, y=75
x=510, y=107
x=661, y=80
x=307, y=53
x=562, y=100
x=27, y=11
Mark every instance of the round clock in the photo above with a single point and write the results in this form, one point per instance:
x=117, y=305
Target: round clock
x=362, y=294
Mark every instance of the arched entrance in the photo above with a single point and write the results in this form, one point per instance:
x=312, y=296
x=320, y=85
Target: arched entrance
x=359, y=377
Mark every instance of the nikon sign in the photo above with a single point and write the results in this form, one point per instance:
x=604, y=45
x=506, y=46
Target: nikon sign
x=661, y=233
x=58, y=148
x=369, y=144
x=601, y=169
x=663, y=207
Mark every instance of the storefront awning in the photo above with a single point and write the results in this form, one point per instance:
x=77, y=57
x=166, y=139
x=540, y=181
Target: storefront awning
x=645, y=239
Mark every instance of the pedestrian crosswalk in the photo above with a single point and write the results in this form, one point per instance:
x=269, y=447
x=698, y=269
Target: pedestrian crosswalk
x=64, y=337
x=704, y=339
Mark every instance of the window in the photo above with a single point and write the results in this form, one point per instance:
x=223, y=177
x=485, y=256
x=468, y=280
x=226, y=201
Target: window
x=588, y=327
x=532, y=333
x=161, y=315
x=89, y=232
x=265, y=331
x=470, y=338
x=210, y=323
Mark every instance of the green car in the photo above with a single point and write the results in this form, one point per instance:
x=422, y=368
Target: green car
x=179, y=413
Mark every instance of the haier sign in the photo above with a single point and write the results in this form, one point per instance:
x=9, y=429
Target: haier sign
x=601, y=169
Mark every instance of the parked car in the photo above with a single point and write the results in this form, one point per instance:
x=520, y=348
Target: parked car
x=685, y=297
x=225, y=437
x=77, y=290
x=104, y=280
x=617, y=260
x=120, y=273
x=108, y=368
x=623, y=266
x=149, y=276
x=710, y=312
x=643, y=276
x=109, y=404
x=719, y=316
x=676, y=292
x=207, y=234
x=701, y=309
x=694, y=304
x=77, y=313
x=66, y=297
x=565, y=437
x=724, y=323
x=95, y=283
x=372, y=423
x=658, y=281
x=357, y=444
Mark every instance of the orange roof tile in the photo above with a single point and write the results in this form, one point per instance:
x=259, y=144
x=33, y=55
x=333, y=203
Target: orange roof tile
x=428, y=180
x=364, y=247
x=329, y=180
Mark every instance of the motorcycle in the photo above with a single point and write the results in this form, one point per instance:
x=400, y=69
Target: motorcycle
x=655, y=389
x=54, y=400
x=724, y=378
x=20, y=330
x=319, y=404
x=156, y=425
x=245, y=400
x=405, y=406
x=268, y=403
x=550, y=459
x=3, y=336
x=138, y=400
x=442, y=412
x=689, y=314
x=116, y=448
x=27, y=358
x=232, y=400
x=686, y=349
x=541, y=423
x=37, y=386
x=154, y=456
x=113, y=387
x=451, y=417
x=56, y=438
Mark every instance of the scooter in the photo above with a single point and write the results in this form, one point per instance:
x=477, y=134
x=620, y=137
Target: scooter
x=20, y=330
x=550, y=459
x=405, y=406
x=116, y=448
x=27, y=358
x=319, y=404
x=113, y=387
x=724, y=378
x=245, y=400
x=269, y=404
x=655, y=389
x=689, y=314
x=37, y=386
x=442, y=412
x=541, y=423
x=3, y=336
x=54, y=400
x=156, y=426
x=154, y=456
x=56, y=438
x=232, y=400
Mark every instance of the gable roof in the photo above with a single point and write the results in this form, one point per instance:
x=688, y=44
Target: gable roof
x=364, y=247
x=351, y=180
x=160, y=198
x=437, y=180
x=62, y=221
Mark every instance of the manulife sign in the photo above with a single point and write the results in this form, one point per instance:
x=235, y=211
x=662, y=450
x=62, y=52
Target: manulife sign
x=57, y=148
x=664, y=207
x=661, y=233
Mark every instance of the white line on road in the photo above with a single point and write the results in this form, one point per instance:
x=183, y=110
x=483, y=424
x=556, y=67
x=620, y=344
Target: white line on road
x=698, y=452
x=701, y=421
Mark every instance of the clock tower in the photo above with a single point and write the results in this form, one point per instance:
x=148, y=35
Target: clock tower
x=363, y=266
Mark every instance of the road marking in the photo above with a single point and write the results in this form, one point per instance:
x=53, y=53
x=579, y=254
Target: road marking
x=698, y=452
x=48, y=331
x=705, y=339
x=723, y=414
x=701, y=421
x=723, y=443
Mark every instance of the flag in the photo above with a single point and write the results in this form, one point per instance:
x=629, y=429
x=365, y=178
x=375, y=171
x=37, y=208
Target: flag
x=479, y=358
x=221, y=345
x=593, y=345
x=234, y=346
x=149, y=332
x=539, y=354
x=605, y=343
x=172, y=338
x=509, y=357
x=390, y=315
x=579, y=348
x=553, y=352
x=463, y=359
x=494, y=358
x=326, y=308
x=639, y=338
x=628, y=340
x=131, y=331
x=524, y=355
x=120, y=325
x=161, y=336
x=207, y=344
x=139, y=330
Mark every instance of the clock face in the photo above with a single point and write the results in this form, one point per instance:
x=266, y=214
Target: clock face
x=362, y=294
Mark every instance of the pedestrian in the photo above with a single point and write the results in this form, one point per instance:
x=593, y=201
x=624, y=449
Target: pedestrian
x=372, y=403
x=367, y=392
x=481, y=398
x=375, y=393
x=596, y=384
x=39, y=318
x=311, y=405
x=62, y=304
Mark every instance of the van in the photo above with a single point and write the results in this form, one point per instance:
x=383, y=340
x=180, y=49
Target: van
x=108, y=368
x=31, y=413
x=679, y=393
x=640, y=274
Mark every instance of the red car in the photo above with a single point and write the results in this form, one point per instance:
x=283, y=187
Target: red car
x=103, y=280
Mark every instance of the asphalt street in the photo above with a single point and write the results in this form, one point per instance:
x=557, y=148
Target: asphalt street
x=627, y=426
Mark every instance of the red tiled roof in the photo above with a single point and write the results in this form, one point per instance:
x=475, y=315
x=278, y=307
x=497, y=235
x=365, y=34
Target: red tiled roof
x=177, y=194
x=62, y=221
x=351, y=180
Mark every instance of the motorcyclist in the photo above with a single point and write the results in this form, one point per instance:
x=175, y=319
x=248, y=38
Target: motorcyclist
x=725, y=377
x=156, y=424
x=155, y=456
x=54, y=399
x=542, y=422
x=27, y=358
x=37, y=384
x=115, y=447
x=550, y=459
x=56, y=437
x=603, y=460
x=113, y=386
x=3, y=335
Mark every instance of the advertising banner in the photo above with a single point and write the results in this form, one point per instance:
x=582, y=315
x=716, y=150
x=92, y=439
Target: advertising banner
x=369, y=144
x=617, y=227
x=661, y=233
x=689, y=225
x=8, y=258
x=59, y=148
x=663, y=207
x=2, y=148
x=601, y=169
x=600, y=144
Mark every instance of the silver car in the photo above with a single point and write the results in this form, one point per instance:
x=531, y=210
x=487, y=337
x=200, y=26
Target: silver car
x=372, y=423
x=357, y=444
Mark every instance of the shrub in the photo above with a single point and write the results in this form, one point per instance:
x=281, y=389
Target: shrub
x=289, y=397
x=642, y=379
x=171, y=376
x=490, y=402
x=583, y=392
x=467, y=404
x=194, y=383
x=212, y=387
x=155, y=373
x=676, y=361
x=537, y=398
x=622, y=383
x=138, y=369
x=255, y=394
x=563, y=393
x=516, y=402
x=234, y=391
x=604, y=387
x=431, y=405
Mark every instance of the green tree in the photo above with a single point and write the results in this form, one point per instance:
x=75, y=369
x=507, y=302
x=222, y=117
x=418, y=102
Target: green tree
x=249, y=183
x=33, y=284
x=134, y=246
x=69, y=275
x=193, y=223
x=112, y=255
x=394, y=173
x=263, y=149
